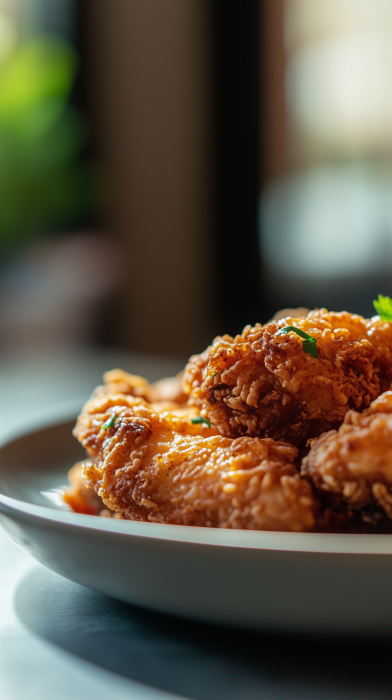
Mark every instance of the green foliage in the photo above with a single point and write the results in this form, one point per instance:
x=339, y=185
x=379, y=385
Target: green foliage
x=383, y=307
x=43, y=184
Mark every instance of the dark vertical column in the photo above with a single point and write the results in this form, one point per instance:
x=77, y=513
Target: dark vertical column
x=274, y=159
x=149, y=80
x=274, y=148
x=236, y=70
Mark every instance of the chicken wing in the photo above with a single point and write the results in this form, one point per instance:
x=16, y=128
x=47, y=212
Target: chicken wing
x=155, y=465
x=353, y=465
x=264, y=384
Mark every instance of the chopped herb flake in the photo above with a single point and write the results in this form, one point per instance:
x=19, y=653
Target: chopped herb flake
x=384, y=308
x=214, y=375
x=201, y=420
x=110, y=422
x=308, y=345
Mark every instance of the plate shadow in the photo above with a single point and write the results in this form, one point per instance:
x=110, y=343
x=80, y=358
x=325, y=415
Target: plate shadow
x=196, y=660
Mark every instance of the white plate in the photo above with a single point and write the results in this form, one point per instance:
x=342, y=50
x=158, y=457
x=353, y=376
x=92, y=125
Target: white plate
x=263, y=580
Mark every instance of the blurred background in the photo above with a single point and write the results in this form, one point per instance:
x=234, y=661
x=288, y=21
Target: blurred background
x=175, y=169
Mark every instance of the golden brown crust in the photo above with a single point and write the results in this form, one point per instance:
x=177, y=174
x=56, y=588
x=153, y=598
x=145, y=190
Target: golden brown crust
x=156, y=465
x=264, y=384
x=79, y=496
x=169, y=389
x=353, y=465
x=152, y=462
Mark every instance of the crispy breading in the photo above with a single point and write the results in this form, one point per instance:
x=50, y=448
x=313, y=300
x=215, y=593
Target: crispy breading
x=263, y=384
x=353, y=465
x=168, y=389
x=78, y=496
x=156, y=465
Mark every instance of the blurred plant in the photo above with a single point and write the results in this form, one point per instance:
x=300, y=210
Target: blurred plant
x=44, y=184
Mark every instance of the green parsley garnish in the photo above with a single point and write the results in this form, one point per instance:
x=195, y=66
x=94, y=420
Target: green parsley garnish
x=214, y=375
x=384, y=307
x=201, y=420
x=308, y=345
x=110, y=422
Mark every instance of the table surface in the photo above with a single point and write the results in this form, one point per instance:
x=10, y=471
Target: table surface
x=61, y=640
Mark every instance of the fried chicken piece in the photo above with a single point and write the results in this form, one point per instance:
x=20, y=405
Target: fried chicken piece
x=168, y=390
x=168, y=393
x=156, y=465
x=80, y=497
x=353, y=465
x=263, y=384
x=299, y=312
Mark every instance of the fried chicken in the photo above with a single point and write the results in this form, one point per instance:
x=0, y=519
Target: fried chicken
x=353, y=465
x=152, y=464
x=263, y=384
x=220, y=444
x=169, y=389
x=166, y=393
x=80, y=497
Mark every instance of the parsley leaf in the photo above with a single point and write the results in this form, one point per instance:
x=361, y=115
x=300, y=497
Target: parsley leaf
x=383, y=307
x=309, y=345
x=201, y=420
x=110, y=422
